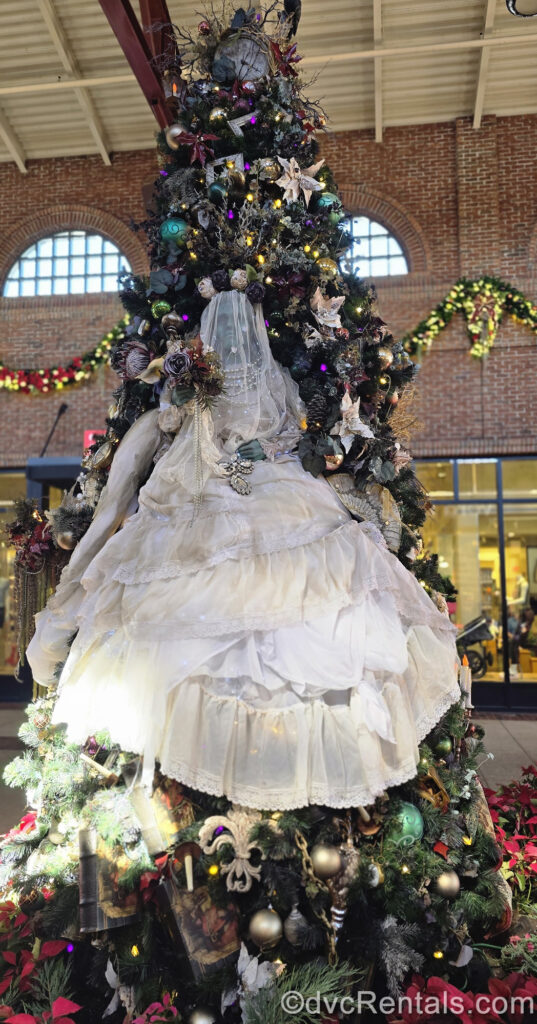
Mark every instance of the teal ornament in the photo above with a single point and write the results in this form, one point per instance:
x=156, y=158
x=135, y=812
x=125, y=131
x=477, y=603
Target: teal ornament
x=174, y=229
x=409, y=824
x=217, y=193
x=159, y=308
x=327, y=200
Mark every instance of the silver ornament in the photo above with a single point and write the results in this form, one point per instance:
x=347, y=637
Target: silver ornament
x=266, y=928
x=295, y=927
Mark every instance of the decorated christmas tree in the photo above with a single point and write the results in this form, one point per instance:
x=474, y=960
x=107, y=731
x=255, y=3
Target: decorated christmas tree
x=226, y=799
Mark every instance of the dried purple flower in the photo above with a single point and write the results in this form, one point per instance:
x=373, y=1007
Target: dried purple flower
x=176, y=365
x=131, y=360
x=255, y=292
x=220, y=280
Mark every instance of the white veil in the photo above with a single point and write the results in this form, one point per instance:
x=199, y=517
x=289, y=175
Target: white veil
x=260, y=399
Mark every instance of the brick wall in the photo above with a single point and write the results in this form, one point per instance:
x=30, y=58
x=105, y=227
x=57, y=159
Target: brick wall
x=460, y=201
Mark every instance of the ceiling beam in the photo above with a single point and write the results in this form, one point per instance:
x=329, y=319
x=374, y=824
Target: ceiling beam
x=133, y=43
x=70, y=64
x=12, y=143
x=484, y=60
x=377, y=38
x=66, y=83
x=157, y=26
x=505, y=39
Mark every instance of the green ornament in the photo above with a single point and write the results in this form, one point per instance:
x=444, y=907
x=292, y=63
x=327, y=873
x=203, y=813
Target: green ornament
x=217, y=192
x=335, y=216
x=159, y=308
x=409, y=824
x=443, y=747
x=174, y=229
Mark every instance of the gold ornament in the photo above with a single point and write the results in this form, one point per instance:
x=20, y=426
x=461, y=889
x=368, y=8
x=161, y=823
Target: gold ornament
x=333, y=462
x=385, y=356
x=237, y=180
x=172, y=323
x=202, y=1016
x=266, y=928
x=173, y=135
x=103, y=457
x=295, y=927
x=217, y=114
x=66, y=540
x=269, y=169
x=448, y=884
x=327, y=266
x=326, y=860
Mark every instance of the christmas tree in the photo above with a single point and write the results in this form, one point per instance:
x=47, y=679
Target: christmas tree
x=130, y=896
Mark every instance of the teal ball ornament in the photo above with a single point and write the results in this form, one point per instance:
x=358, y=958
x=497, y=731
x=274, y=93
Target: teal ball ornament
x=409, y=824
x=217, y=193
x=174, y=229
x=328, y=201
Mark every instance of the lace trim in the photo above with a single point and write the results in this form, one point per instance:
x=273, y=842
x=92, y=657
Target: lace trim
x=252, y=796
x=130, y=573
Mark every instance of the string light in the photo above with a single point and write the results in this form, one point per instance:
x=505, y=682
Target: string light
x=268, y=280
x=277, y=203
x=438, y=954
x=135, y=951
x=467, y=840
x=250, y=197
x=315, y=254
x=405, y=870
x=249, y=240
x=261, y=258
x=230, y=164
x=359, y=309
x=214, y=869
x=193, y=256
x=307, y=248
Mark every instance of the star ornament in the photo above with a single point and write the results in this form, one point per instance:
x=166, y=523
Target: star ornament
x=294, y=180
x=326, y=310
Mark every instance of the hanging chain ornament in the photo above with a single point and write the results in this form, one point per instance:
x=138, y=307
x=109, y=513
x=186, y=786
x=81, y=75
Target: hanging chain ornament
x=309, y=875
x=511, y=7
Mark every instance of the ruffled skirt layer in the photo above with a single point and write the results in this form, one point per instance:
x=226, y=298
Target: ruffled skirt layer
x=269, y=650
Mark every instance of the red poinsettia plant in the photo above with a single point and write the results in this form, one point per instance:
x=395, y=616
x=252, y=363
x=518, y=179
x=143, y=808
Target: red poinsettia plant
x=513, y=810
x=56, y=1014
x=158, y=1013
x=510, y=1000
x=21, y=955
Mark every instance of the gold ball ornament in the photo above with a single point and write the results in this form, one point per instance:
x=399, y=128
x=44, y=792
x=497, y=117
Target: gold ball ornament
x=201, y=1015
x=448, y=884
x=173, y=135
x=269, y=169
x=385, y=357
x=327, y=266
x=266, y=928
x=326, y=860
x=333, y=462
x=66, y=540
x=217, y=114
x=237, y=180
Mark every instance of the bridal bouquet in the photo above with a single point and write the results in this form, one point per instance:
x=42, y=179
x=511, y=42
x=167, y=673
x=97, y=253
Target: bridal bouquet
x=190, y=372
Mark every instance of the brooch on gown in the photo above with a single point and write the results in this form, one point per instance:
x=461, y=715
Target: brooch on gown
x=235, y=469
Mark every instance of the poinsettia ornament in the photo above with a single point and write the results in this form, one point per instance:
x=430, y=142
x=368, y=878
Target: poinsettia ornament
x=295, y=179
x=326, y=309
x=350, y=423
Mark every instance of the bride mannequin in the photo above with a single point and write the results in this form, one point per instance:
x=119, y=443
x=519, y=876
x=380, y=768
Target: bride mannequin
x=263, y=646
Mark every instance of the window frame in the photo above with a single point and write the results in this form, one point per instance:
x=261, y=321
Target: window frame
x=355, y=261
x=69, y=262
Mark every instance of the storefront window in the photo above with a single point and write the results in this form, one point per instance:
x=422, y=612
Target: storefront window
x=465, y=537
x=520, y=528
x=12, y=487
x=477, y=479
x=437, y=478
x=519, y=478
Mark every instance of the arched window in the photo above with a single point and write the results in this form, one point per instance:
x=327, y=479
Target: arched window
x=374, y=251
x=67, y=263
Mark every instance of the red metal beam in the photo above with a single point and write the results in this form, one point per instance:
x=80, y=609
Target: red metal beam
x=131, y=39
x=162, y=40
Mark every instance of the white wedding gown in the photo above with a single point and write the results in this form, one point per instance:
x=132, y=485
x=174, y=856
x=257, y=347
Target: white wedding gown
x=266, y=646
